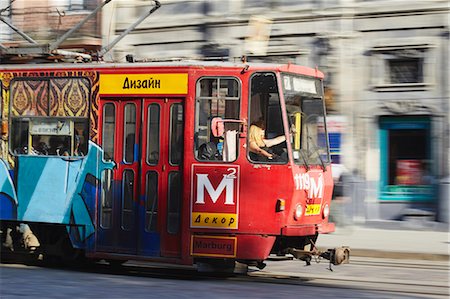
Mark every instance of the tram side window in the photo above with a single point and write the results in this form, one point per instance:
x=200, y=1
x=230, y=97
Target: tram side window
x=266, y=138
x=174, y=203
x=153, y=134
x=49, y=116
x=176, y=134
x=129, y=133
x=217, y=97
x=151, y=205
x=109, y=125
x=106, y=199
x=50, y=136
x=128, y=209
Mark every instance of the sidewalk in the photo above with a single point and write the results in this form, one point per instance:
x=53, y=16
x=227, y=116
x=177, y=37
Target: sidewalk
x=390, y=243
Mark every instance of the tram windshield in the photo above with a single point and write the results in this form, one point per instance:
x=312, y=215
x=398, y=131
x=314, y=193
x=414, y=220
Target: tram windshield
x=306, y=115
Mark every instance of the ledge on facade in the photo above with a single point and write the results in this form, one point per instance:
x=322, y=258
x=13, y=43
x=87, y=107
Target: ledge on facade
x=87, y=43
x=402, y=87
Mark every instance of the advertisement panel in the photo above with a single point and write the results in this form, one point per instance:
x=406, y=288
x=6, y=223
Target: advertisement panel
x=215, y=196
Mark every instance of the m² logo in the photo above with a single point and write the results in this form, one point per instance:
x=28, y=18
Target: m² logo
x=215, y=196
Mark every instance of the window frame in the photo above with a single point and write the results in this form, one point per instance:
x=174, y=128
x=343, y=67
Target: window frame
x=172, y=153
x=49, y=80
x=125, y=131
x=151, y=212
x=174, y=202
x=103, y=196
x=279, y=91
x=113, y=131
x=78, y=6
x=199, y=98
x=158, y=131
x=380, y=70
x=129, y=199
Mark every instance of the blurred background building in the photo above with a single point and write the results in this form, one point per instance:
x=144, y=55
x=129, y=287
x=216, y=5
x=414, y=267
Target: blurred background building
x=42, y=22
x=386, y=64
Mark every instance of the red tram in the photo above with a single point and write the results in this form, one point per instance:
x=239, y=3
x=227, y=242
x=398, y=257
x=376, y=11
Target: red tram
x=180, y=162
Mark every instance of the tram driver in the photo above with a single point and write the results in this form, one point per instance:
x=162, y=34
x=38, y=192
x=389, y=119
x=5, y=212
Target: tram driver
x=260, y=147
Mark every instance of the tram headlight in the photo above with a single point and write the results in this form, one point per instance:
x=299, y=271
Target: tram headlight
x=326, y=211
x=298, y=212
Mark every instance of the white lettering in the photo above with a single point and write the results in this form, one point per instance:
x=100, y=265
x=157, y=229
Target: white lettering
x=226, y=184
x=314, y=186
x=316, y=190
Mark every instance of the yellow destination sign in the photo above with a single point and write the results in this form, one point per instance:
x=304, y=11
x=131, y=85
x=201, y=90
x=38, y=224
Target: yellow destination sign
x=143, y=84
x=214, y=220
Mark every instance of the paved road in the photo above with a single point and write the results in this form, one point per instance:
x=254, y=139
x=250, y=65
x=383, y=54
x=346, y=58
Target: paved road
x=363, y=279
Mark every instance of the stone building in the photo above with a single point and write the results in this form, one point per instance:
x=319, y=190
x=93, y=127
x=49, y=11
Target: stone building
x=45, y=21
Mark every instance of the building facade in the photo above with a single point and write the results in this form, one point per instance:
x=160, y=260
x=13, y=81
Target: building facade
x=45, y=21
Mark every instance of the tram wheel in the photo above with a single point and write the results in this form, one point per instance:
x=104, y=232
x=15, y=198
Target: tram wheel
x=116, y=263
x=218, y=266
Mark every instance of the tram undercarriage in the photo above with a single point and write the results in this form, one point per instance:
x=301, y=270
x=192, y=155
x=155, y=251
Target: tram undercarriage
x=41, y=241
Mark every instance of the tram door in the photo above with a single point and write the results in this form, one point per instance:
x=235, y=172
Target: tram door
x=140, y=204
x=160, y=179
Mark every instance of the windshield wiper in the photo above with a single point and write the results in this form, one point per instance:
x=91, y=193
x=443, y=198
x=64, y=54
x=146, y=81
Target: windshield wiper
x=304, y=159
x=320, y=158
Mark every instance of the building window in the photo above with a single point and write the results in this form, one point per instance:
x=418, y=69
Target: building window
x=405, y=70
x=77, y=4
x=401, y=68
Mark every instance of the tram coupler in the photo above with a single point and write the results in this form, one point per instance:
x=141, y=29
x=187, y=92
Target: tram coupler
x=304, y=255
x=336, y=256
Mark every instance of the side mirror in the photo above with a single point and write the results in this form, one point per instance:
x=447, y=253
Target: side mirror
x=218, y=126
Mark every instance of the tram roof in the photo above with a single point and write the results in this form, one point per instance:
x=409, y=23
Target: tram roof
x=187, y=64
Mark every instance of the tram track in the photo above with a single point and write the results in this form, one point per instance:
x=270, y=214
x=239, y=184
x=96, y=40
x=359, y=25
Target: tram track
x=426, y=289
x=432, y=289
x=411, y=287
x=393, y=263
x=405, y=264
